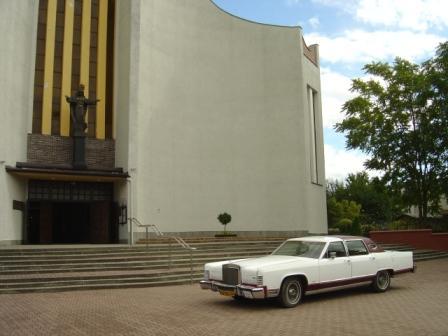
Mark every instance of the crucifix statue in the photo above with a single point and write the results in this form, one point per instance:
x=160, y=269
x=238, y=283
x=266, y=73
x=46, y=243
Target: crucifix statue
x=78, y=110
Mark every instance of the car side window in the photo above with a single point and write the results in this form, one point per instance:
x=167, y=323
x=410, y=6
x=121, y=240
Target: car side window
x=337, y=247
x=356, y=247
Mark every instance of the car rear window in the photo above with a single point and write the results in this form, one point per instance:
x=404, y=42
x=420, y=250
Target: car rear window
x=356, y=247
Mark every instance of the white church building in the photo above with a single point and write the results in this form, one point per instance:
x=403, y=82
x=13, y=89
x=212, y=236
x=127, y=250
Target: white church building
x=199, y=113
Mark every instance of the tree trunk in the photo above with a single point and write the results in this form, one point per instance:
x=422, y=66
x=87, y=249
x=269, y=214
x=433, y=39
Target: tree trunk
x=420, y=212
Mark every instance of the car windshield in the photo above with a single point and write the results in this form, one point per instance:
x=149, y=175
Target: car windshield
x=298, y=248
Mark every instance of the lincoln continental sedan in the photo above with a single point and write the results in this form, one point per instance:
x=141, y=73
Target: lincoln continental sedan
x=308, y=265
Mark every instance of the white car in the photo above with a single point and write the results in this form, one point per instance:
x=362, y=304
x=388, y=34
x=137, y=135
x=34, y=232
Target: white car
x=307, y=265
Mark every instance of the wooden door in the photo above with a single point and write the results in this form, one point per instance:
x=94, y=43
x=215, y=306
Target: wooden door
x=100, y=222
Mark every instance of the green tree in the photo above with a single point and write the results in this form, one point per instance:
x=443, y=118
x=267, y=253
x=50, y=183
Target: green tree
x=400, y=122
x=379, y=203
x=343, y=215
x=437, y=70
x=224, y=219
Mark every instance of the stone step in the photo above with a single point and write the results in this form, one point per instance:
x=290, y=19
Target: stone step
x=104, y=282
x=94, y=274
x=191, y=240
x=132, y=254
x=97, y=280
x=397, y=247
x=418, y=254
x=427, y=251
x=115, y=265
x=46, y=269
x=131, y=250
x=400, y=248
x=429, y=255
x=73, y=258
x=62, y=288
x=148, y=262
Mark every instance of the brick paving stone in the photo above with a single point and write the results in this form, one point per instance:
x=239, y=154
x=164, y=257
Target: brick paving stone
x=416, y=304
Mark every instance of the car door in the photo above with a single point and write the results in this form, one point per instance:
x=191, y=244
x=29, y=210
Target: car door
x=334, y=268
x=363, y=263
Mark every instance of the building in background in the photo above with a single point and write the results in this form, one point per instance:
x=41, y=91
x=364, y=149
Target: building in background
x=199, y=113
x=443, y=211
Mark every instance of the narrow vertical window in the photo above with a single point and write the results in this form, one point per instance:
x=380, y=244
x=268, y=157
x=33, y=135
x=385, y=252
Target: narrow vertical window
x=312, y=102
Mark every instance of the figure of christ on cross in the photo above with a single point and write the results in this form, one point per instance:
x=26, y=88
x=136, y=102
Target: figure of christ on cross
x=78, y=110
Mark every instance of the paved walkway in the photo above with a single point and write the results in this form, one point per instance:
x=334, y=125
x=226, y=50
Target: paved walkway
x=416, y=304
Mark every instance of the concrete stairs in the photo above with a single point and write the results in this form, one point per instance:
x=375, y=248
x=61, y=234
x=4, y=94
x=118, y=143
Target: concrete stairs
x=160, y=263
x=419, y=255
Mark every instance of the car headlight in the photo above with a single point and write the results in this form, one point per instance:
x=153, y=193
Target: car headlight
x=206, y=275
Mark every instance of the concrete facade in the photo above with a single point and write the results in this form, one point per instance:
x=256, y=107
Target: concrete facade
x=18, y=24
x=211, y=115
x=220, y=122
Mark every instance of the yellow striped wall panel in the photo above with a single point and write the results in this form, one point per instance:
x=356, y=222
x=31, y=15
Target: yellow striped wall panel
x=67, y=66
x=47, y=99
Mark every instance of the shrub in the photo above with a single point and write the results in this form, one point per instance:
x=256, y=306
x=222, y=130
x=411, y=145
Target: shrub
x=344, y=225
x=224, y=219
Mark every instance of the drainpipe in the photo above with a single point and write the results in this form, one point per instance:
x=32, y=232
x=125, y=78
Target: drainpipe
x=131, y=218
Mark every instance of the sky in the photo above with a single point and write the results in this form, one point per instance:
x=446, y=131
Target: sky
x=350, y=34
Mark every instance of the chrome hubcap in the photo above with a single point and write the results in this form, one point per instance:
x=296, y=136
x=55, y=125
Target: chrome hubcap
x=293, y=291
x=383, y=280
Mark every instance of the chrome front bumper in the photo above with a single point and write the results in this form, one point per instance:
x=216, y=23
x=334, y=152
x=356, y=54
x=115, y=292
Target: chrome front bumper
x=249, y=292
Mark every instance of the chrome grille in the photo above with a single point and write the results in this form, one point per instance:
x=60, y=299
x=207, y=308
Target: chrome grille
x=230, y=275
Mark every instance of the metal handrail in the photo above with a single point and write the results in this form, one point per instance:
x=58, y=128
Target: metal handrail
x=147, y=226
x=182, y=243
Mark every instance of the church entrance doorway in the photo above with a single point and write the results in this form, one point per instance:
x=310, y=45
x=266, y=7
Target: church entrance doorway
x=71, y=213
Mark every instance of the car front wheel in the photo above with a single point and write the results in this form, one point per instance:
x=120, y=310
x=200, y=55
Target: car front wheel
x=381, y=282
x=291, y=293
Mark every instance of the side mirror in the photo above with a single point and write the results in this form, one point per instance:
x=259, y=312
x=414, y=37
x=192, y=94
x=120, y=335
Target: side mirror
x=332, y=255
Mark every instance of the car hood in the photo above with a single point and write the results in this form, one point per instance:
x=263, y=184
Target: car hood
x=271, y=260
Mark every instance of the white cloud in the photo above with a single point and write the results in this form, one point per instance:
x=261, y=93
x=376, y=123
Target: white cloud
x=363, y=47
x=417, y=15
x=335, y=92
x=339, y=162
x=409, y=14
x=314, y=22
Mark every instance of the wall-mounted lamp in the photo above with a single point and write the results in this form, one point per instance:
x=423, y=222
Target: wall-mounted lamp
x=123, y=216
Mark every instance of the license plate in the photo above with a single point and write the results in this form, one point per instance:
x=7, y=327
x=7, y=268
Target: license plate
x=227, y=292
x=247, y=295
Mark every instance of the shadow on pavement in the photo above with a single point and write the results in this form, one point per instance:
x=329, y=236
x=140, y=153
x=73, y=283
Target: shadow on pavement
x=270, y=304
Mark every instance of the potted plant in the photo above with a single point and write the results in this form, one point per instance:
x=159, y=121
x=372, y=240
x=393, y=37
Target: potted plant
x=225, y=219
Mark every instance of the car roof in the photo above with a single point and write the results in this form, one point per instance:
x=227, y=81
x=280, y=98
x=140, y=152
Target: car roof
x=326, y=239
x=316, y=239
x=348, y=237
x=371, y=245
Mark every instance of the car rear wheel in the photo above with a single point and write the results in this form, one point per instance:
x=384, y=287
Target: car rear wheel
x=291, y=293
x=381, y=282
